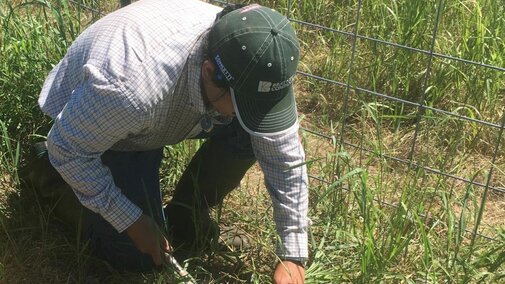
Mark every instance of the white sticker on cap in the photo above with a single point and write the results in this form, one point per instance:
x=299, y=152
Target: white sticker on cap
x=265, y=86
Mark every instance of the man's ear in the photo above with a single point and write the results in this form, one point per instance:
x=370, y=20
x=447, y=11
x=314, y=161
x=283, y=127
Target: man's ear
x=208, y=70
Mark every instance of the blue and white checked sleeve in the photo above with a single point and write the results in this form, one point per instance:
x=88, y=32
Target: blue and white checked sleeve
x=281, y=159
x=97, y=115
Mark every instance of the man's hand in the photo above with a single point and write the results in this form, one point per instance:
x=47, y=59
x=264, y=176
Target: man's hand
x=147, y=237
x=289, y=272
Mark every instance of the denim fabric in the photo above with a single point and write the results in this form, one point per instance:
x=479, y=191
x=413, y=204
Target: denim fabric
x=213, y=172
x=137, y=174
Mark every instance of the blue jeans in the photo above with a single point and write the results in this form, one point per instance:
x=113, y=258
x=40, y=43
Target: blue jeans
x=214, y=171
x=137, y=175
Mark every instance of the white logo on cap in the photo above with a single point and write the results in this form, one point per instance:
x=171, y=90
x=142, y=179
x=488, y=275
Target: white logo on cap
x=223, y=69
x=265, y=86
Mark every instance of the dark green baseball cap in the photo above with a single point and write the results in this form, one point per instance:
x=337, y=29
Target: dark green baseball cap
x=256, y=50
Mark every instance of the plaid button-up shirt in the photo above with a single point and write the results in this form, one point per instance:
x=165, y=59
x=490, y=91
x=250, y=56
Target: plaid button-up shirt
x=131, y=82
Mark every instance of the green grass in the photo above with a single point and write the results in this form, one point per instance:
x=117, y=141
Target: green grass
x=375, y=220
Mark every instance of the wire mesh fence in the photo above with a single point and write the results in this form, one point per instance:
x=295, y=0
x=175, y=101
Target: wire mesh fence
x=398, y=97
x=422, y=107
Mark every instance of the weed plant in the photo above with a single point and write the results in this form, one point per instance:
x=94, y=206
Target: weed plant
x=381, y=211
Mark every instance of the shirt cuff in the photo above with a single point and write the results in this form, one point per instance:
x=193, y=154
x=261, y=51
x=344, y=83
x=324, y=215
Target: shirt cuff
x=293, y=246
x=121, y=213
x=298, y=260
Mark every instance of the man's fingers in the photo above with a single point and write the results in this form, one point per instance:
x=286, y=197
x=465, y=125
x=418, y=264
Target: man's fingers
x=166, y=247
x=288, y=272
x=163, y=246
x=148, y=238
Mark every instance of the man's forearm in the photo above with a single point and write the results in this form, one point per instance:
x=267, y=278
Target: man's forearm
x=94, y=186
x=281, y=159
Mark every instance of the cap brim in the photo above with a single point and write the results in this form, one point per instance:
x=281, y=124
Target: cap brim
x=267, y=117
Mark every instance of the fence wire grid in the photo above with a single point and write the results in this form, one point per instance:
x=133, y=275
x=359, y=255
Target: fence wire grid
x=352, y=88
